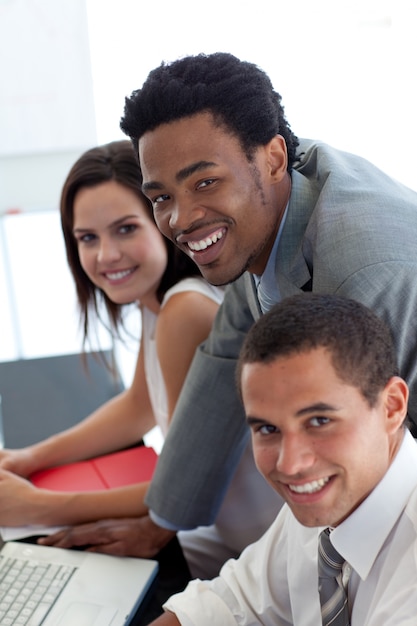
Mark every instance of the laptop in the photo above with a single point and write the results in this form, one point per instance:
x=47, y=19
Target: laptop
x=71, y=587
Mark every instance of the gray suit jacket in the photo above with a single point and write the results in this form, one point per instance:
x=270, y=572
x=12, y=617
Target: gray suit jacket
x=350, y=230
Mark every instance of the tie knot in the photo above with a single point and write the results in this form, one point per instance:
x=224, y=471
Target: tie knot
x=330, y=561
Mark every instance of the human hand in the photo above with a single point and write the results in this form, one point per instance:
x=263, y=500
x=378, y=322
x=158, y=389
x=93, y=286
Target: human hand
x=18, y=461
x=136, y=536
x=16, y=499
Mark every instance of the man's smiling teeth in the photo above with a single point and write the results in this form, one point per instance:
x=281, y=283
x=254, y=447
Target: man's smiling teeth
x=196, y=246
x=315, y=485
x=118, y=275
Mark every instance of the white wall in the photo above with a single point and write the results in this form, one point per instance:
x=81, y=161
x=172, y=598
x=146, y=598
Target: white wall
x=345, y=68
x=47, y=112
x=47, y=119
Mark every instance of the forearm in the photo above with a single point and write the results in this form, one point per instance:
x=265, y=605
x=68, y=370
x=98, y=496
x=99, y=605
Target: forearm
x=188, y=469
x=52, y=508
x=113, y=503
x=208, y=432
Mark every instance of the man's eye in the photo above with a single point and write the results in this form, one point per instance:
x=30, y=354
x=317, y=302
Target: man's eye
x=266, y=429
x=205, y=183
x=319, y=421
x=162, y=198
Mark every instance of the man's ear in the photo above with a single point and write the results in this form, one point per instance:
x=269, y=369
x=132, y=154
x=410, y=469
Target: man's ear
x=396, y=400
x=277, y=158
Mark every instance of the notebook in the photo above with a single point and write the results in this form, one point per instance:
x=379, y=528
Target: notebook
x=86, y=589
x=109, y=471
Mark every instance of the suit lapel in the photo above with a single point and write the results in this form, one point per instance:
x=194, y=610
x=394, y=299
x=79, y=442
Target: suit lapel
x=291, y=269
x=251, y=295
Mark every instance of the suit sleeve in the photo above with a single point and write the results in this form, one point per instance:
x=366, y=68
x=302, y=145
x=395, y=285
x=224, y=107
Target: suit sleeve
x=208, y=432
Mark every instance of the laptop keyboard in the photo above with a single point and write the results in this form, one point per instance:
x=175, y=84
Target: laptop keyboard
x=28, y=589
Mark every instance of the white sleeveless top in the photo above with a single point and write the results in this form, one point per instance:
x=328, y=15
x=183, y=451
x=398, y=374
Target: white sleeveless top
x=153, y=373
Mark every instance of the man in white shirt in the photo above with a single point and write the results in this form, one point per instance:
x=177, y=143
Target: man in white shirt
x=327, y=410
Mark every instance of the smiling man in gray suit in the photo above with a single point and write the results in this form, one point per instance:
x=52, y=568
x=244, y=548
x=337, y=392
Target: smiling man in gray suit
x=273, y=216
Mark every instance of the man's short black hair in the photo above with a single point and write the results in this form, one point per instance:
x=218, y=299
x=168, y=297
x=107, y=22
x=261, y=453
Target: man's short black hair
x=238, y=94
x=360, y=343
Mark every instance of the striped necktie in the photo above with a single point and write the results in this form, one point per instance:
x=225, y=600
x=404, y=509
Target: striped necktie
x=333, y=598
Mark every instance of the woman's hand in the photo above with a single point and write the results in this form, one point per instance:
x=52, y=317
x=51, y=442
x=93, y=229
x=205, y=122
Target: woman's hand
x=16, y=499
x=20, y=461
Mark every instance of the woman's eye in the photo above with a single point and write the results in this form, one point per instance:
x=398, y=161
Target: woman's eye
x=126, y=229
x=86, y=238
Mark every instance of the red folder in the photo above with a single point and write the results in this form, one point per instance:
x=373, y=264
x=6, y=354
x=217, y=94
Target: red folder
x=118, y=469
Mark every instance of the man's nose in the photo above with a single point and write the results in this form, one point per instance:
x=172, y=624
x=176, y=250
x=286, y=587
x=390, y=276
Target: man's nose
x=185, y=212
x=295, y=455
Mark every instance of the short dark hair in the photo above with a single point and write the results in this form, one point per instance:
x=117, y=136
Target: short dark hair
x=238, y=94
x=360, y=344
x=113, y=161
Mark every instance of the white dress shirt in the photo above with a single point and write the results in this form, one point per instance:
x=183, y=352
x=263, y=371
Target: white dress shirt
x=274, y=582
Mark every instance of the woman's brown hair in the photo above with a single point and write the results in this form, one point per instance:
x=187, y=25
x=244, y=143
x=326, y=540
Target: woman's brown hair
x=113, y=161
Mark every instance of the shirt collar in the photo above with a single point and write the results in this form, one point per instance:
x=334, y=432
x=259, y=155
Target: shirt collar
x=268, y=275
x=371, y=523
